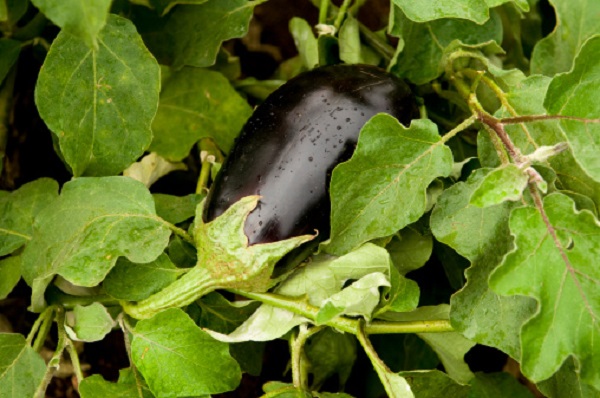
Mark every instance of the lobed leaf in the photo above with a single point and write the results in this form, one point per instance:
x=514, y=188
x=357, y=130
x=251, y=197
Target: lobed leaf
x=99, y=102
x=482, y=236
x=576, y=21
x=382, y=188
x=178, y=359
x=19, y=209
x=201, y=103
x=425, y=43
x=189, y=24
x=81, y=234
x=561, y=275
x=574, y=94
x=82, y=18
x=474, y=10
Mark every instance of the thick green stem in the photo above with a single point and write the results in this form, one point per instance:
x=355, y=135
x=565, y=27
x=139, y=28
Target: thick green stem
x=323, y=11
x=341, y=14
x=299, y=359
x=194, y=284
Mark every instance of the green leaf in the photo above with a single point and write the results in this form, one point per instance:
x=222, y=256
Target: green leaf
x=561, y=275
x=81, y=239
x=10, y=274
x=127, y=387
x=474, y=10
x=497, y=385
x=223, y=316
x=421, y=59
x=305, y=41
x=11, y=11
x=434, y=384
x=383, y=187
x=450, y=347
x=576, y=21
x=164, y=6
x=18, y=210
x=566, y=383
x=349, y=41
x=527, y=99
x=21, y=368
x=99, y=102
x=81, y=18
x=201, y=103
x=573, y=94
x=177, y=209
x=357, y=299
x=9, y=53
x=330, y=353
x=410, y=249
x=482, y=236
x=134, y=282
x=89, y=323
x=503, y=184
x=223, y=19
x=151, y=168
x=178, y=359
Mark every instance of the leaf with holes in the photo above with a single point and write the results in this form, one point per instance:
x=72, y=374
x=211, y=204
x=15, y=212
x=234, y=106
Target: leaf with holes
x=554, y=261
x=100, y=102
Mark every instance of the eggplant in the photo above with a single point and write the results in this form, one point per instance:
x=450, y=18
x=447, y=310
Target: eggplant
x=293, y=140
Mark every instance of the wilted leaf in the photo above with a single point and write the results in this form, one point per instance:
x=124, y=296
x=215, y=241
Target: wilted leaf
x=561, y=274
x=99, y=102
x=383, y=187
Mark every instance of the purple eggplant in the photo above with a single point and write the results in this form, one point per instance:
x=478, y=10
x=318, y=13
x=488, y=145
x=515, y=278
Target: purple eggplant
x=293, y=140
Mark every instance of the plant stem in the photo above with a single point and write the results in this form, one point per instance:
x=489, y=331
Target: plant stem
x=195, y=283
x=179, y=232
x=75, y=361
x=47, y=313
x=43, y=333
x=125, y=328
x=299, y=359
x=536, y=118
x=323, y=11
x=344, y=324
x=341, y=14
x=54, y=362
x=377, y=43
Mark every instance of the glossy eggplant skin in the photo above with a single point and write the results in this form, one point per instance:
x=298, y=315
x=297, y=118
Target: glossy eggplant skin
x=290, y=145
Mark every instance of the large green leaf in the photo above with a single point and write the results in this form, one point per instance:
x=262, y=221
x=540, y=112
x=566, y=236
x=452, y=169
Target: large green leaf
x=575, y=94
x=527, y=98
x=128, y=386
x=481, y=235
x=197, y=103
x=18, y=210
x=100, y=102
x=554, y=261
x=566, y=383
x=383, y=187
x=474, y=10
x=9, y=53
x=82, y=18
x=81, y=234
x=576, y=21
x=21, y=368
x=199, y=30
x=421, y=59
x=178, y=359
